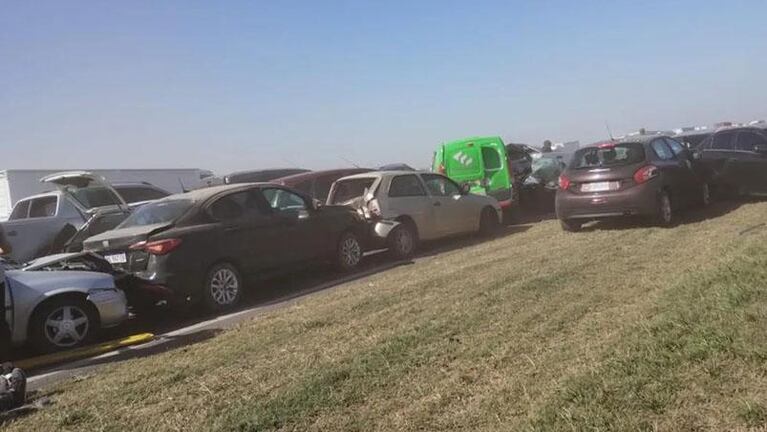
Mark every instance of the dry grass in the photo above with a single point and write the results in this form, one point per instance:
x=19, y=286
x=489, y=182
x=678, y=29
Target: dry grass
x=632, y=329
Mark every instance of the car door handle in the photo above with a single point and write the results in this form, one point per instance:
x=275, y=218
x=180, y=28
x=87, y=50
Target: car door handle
x=437, y=204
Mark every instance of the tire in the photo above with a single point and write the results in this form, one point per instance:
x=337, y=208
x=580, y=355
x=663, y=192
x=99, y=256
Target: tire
x=570, y=225
x=665, y=212
x=223, y=288
x=488, y=222
x=63, y=323
x=402, y=242
x=348, y=252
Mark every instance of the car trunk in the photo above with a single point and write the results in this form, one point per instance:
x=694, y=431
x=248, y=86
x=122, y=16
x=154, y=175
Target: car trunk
x=115, y=246
x=605, y=179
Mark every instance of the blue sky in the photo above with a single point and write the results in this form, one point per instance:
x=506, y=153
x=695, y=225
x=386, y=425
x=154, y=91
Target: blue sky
x=233, y=85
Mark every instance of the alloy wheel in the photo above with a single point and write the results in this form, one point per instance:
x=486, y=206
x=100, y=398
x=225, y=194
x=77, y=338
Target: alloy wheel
x=403, y=242
x=66, y=326
x=351, y=251
x=224, y=286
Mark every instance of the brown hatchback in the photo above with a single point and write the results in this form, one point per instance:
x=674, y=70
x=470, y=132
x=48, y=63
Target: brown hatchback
x=651, y=176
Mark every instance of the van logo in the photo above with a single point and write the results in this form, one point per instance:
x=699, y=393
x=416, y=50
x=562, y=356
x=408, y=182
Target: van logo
x=463, y=159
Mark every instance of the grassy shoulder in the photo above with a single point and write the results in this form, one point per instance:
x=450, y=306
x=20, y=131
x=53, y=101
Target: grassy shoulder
x=632, y=329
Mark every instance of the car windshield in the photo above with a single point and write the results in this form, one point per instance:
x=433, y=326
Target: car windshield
x=608, y=156
x=347, y=190
x=159, y=212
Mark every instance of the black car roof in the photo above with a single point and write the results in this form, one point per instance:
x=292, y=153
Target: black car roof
x=642, y=138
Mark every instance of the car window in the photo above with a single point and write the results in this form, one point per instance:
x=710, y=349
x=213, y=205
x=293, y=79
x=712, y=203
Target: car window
x=440, y=186
x=43, y=207
x=282, y=200
x=93, y=197
x=159, y=212
x=662, y=150
x=20, y=211
x=322, y=187
x=608, y=156
x=137, y=193
x=723, y=141
x=237, y=205
x=406, y=186
x=492, y=159
x=748, y=140
x=676, y=146
x=347, y=190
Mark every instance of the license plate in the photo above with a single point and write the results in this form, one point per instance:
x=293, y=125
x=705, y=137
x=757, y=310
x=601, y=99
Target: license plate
x=599, y=186
x=116, y=258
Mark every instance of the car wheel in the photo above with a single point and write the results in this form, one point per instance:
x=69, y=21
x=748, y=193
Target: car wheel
x=223, y=288
x=570, y=225
x=402, y=241
x=488, y=222
x=665, y=214
x=63, y=323
x=348, y=252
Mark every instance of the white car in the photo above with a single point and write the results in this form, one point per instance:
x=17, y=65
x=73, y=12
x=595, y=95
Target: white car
x=428, y=205
x=58, y=310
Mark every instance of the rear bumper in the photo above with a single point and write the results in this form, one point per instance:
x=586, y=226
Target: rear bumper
x=640, y=200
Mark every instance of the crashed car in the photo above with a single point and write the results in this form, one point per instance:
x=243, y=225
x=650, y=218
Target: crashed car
x=54, y=310
x=45, y=223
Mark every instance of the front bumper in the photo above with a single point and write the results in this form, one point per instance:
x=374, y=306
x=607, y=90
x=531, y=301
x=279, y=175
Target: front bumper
x=112, y=306
x=639, y=200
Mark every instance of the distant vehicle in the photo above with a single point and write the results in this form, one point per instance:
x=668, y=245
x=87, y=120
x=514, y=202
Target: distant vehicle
x=735, y=160
x=45, y=223
x=58, y=310
x=316, y=184
x=428, y=205
x=202, y=246
x=520, y=157
x=260, y=176
x=651, y=176
x=482, y=163
x=19, y=184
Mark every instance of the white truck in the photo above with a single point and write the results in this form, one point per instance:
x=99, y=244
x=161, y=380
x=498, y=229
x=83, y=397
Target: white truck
x=16, y=184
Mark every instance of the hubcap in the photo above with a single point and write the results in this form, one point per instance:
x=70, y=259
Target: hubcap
x=351, y=252
x=666, y=208
x=66, y=326
x=224, y=286
x=403, y=242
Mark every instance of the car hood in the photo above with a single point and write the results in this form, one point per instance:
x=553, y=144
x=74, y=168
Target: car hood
x=49, y=281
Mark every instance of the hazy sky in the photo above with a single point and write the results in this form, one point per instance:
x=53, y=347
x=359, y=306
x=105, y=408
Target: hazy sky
x=231, y=85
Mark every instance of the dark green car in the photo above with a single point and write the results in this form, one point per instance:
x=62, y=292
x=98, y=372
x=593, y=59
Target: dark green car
x=482, y=163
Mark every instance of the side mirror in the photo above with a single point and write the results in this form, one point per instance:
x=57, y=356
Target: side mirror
x=465, y=188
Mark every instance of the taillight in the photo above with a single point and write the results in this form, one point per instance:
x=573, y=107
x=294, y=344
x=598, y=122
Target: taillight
x=564, y=182
x=645, y=173
x=374, y=209
x=157, y=247
x=441, y=169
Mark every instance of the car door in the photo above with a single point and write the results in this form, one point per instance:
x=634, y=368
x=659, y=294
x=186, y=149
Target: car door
x=406, y=196
x=454, y=214
x=717, y=156
x=751, y=162
x=301, y=233
x=690, y=176
x=245, y=231
x=672, y=170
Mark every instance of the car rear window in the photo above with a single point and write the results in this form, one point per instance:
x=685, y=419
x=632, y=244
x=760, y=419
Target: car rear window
x=158, y=212
x=92, y=197
x=347, y=190
x=608, y=156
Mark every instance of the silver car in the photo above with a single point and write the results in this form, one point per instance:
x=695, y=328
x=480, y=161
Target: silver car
x=57, y=310
x=428, y=205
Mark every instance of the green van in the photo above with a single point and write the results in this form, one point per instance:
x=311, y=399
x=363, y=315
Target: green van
x=481, y=162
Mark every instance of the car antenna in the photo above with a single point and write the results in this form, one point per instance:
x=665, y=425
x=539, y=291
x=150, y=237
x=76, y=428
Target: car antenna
x=609, y=132
x=183, y=188
x=349, y=162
